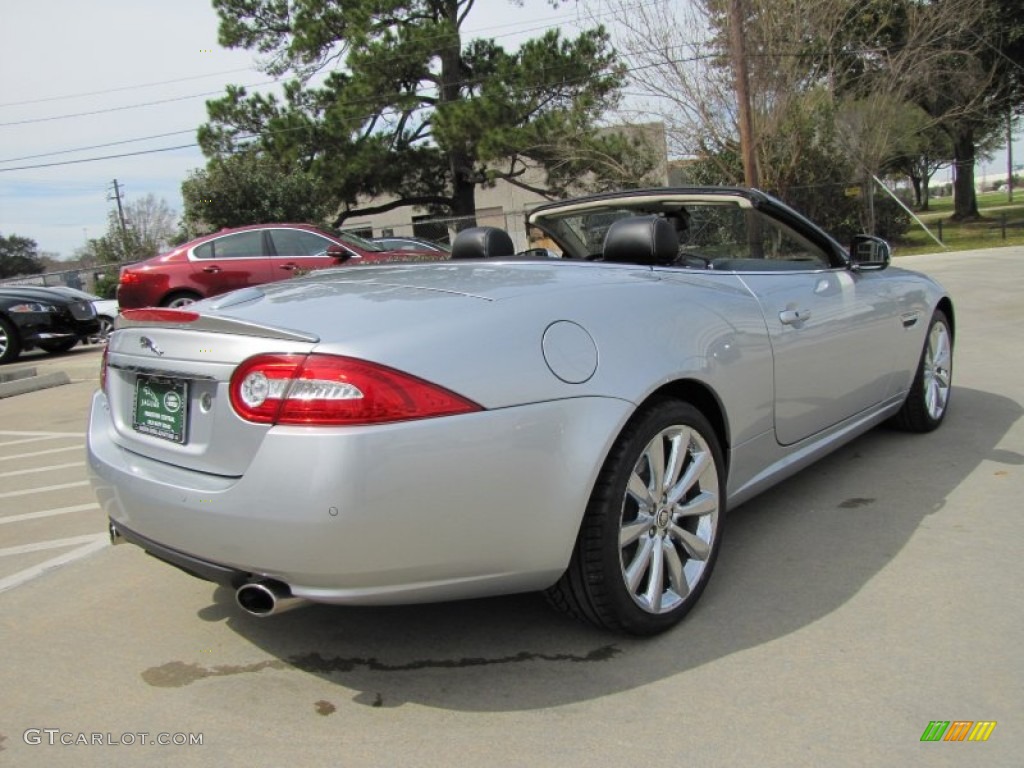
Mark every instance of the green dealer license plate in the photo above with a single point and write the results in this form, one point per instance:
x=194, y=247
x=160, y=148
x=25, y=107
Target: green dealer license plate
x=161, y=408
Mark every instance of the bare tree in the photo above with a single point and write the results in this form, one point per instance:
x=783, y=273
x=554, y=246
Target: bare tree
x=829, y=72
x=672, y=59
x=153, y=221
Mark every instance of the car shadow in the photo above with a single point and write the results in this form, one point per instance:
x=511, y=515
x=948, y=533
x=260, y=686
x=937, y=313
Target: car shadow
x=791, y=556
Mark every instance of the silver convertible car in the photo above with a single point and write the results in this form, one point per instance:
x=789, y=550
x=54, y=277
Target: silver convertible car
x=493, y=424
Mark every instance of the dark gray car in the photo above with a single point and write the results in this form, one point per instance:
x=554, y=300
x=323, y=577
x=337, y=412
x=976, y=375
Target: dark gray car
x=33, y=316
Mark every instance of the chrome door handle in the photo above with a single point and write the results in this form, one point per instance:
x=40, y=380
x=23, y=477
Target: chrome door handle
x=794, y=316
x=213, y=270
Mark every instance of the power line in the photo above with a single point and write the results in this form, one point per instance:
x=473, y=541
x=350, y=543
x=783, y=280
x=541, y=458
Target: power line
x=105, y=157
x=516, y=30
x=52, y=118
x=97, y=146
x=273, y=82
x=355, y=119
x=122, y=88
x=127, y=107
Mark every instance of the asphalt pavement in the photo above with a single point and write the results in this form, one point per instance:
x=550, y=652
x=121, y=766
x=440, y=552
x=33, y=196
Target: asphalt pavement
x=852, y=606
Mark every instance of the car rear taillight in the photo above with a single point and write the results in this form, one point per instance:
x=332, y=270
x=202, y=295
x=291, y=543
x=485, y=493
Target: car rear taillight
x=129, y=278
x=333, y=390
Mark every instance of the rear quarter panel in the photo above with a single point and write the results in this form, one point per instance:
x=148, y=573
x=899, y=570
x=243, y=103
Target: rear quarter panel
x=648, y=330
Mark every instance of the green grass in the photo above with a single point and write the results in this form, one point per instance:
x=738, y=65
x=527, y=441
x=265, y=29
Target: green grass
x=995, y=210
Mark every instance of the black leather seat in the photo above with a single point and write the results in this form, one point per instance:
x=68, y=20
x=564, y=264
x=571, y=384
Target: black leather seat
x=483, y=243
x=641, y=240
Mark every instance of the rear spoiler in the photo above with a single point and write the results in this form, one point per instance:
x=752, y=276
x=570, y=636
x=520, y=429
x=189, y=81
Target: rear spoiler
x=187, y=319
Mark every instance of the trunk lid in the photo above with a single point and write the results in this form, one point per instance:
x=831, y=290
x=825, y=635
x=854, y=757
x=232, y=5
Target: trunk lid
x=410, y=317
x=167, y=386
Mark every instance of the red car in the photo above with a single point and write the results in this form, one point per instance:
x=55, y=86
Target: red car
x=236, y=258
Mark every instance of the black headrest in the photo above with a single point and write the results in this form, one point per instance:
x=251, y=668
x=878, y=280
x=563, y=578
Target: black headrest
x=482, y=243
x=641, y=240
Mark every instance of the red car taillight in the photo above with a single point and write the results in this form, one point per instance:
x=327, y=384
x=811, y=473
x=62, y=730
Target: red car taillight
x=332, y=390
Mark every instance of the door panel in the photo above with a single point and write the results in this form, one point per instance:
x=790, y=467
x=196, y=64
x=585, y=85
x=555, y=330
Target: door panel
x=295, y=250
x=233, y=261
x=832, y=338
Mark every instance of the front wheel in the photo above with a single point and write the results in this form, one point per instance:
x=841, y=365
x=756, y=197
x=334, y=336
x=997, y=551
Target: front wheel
x=928, y=399
x=10, y=344
x=653, y=526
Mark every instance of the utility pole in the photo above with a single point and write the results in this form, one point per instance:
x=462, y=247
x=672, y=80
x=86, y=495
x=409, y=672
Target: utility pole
x=738, y=55
x=1009, y=155
x=120, y=210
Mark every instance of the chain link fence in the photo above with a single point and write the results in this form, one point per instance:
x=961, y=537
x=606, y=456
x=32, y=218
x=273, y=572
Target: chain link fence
x=90, y=279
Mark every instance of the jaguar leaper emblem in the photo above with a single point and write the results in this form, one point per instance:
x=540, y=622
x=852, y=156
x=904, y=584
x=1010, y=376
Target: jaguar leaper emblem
x=147, y=343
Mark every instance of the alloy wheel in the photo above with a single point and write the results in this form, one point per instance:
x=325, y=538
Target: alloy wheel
x=669, y=519
x=937, y=370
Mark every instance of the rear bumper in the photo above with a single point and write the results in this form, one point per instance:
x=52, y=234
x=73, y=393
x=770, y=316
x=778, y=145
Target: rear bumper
x=464, y=506
x=201, y=569
x=145, y=289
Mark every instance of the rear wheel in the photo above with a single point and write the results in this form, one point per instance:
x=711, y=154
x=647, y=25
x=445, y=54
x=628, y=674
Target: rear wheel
x=10, y=344
x=180, y=299
x=928, y=399
x=653, y=526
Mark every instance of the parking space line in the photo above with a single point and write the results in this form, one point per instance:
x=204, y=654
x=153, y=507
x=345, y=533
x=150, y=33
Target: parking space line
x=36, y=439
x=42, y=489
x=41, y=453
x=39, y=546
x=30, y=433
x=48, y=513
x=93, y=543
x=42, y=469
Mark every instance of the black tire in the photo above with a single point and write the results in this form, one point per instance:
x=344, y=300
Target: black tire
x=180, y=299
x=55, y=347
x=10, y=343
x=626, y=544
x=928, y=400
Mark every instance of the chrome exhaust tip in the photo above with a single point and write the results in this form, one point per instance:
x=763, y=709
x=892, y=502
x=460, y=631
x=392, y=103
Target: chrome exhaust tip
x=115, y=535
x=267, y=598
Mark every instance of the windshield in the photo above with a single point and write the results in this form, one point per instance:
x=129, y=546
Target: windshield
x=581, y=233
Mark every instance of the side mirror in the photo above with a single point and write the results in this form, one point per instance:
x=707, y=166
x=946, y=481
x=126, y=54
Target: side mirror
x=338, y=253
x=869, y=252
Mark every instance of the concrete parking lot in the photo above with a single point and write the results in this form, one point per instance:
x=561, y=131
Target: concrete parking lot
x=852, y=605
